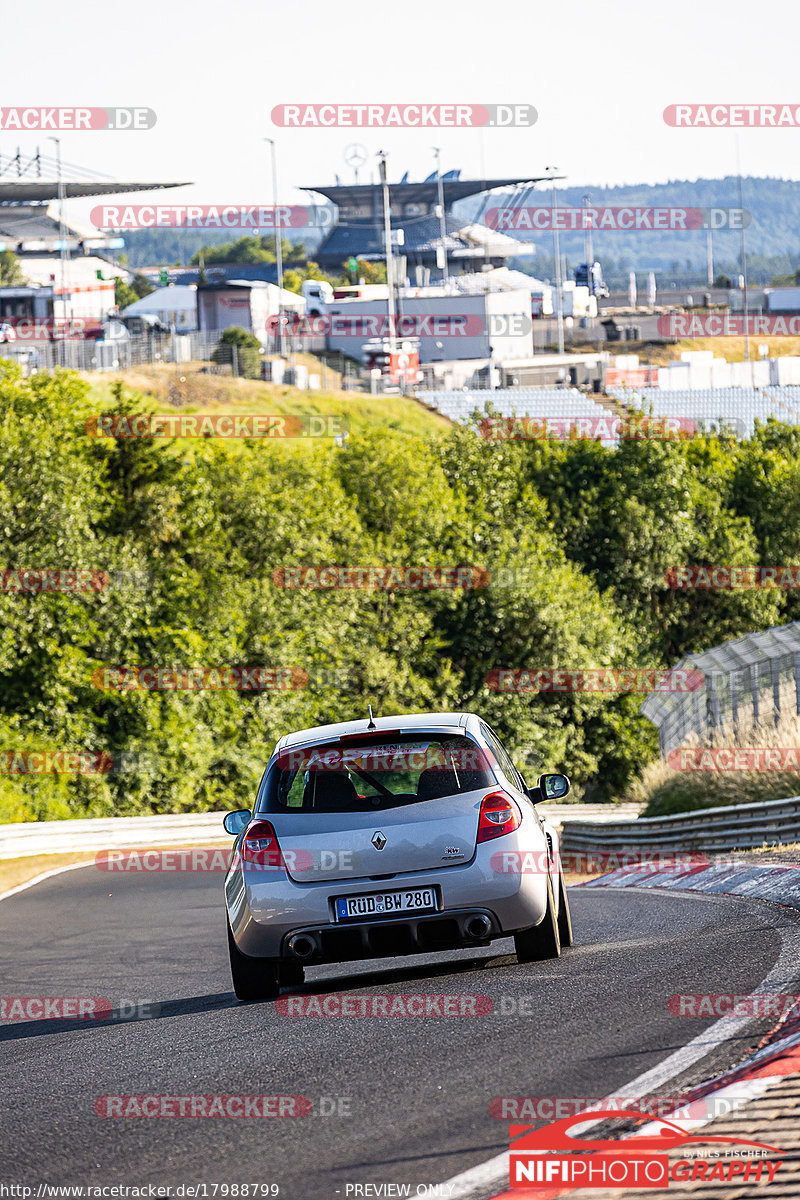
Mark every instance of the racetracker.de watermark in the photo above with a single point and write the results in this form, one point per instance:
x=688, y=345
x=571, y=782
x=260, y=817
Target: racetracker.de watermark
x=556, y=1108
x=145, y=861
x=733, y=116
x=241, y=425
x=76, y=762
x=404, y=325
x=390, y=1004
x=75, y=1008
x=734, y=758
x=15, y=581
x=201, y=860
x=55, y=329
x=633, y=428
x=705, y=325
x=727, y=578
x=593, y=679
x=421, y=756
x=723, y=1004
x=194, y=1106
x=621, y=218
x=596, y=862
x=46, y=117
x=420, y=577
x=197, y=679
x=403, y=116
x=210, y=216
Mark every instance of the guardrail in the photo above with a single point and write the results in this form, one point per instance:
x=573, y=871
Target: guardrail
x=603, y=813
x=26, y=838
x=739, y=827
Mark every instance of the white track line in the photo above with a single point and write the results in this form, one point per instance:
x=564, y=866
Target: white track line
x=93, y=861
x=21, y=887
x=491, y=1176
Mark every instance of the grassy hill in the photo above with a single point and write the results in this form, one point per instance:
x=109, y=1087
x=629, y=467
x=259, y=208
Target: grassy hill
x=193, y=392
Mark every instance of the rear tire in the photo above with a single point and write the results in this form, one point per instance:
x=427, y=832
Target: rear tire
x=540, y=941
x=564, y=916
x=291, y=974
x=253, y=978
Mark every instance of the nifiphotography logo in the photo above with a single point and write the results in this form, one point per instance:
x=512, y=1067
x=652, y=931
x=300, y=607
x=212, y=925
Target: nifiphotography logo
x=552, y=1158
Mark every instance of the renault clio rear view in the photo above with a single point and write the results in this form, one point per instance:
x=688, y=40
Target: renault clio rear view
x=376, y=838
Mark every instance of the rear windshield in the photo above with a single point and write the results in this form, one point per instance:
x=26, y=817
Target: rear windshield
x=375, y=773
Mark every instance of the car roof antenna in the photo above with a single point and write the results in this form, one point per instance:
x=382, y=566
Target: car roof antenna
x=372, y=724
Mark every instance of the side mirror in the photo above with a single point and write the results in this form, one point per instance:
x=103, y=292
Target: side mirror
x=553, y=787
x=235, y=822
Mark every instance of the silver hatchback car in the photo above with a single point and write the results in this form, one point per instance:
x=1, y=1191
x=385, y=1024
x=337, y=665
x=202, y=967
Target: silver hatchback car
x=400, y=835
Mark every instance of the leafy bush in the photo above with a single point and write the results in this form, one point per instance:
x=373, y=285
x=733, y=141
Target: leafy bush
x=575, y=538
x=247, y=361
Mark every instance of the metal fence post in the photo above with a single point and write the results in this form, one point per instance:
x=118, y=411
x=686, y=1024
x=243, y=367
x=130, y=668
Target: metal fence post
x=713, y=701
x=754, y=691
x=700, y=720
x=775, y=671
x=235, y=360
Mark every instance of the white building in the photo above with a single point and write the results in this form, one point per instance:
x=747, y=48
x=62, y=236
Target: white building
x=493, y=325
x=244, y=302
x=172, y=306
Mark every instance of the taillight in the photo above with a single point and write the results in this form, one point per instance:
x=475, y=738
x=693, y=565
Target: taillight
x=260, y=845
x=499, y=815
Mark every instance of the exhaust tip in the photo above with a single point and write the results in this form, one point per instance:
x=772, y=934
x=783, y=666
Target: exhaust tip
x=302, y=945
x=479, y=927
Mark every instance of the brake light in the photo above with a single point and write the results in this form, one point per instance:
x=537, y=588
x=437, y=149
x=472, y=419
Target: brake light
x=499, y=814
x=378, y=736
x=260, y=845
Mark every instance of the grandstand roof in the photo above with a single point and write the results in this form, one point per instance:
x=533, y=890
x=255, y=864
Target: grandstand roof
x=348, y=195
x=34, y=222
x=364, y=239
x=31, y=191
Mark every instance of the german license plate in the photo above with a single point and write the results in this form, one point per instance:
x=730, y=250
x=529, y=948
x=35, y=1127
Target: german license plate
x=384, y=904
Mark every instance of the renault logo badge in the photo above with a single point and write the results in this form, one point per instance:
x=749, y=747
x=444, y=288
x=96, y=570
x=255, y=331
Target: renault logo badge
x=378, y=840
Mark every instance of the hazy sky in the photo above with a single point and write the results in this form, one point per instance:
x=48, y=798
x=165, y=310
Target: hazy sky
x=600, y=74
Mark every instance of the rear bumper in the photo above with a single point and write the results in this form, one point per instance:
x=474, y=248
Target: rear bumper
x=452, y=930
x=265, y=915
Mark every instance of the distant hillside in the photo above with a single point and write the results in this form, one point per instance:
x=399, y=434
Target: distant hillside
x=168, y=247
x=772, y=240
x=773, y=235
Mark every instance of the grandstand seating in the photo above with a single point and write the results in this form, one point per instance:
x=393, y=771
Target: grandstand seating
x=733, y=408
x=553, y=403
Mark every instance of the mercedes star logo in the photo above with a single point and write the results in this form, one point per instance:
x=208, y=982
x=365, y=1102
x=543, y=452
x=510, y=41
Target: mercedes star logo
x=378, y=840
x=356, y=155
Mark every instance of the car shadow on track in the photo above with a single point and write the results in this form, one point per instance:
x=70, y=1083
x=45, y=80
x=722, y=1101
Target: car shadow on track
x=193, y=1005
x=400, y=974
x=151, y=1011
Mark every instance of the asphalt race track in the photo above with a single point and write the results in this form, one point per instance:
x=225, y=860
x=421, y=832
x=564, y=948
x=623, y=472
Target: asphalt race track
x=408, y=1097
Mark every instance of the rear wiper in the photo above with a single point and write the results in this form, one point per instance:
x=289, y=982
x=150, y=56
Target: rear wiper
x=372, y=781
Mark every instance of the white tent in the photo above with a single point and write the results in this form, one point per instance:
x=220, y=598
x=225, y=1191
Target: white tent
x=170, y=305
x=289, y=301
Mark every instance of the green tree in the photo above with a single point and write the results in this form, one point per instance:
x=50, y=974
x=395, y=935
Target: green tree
x=628, y=516
x=11, y=274
x=250, y=248
x=123, y=293
x=370, y=272
x=128, y=293
x=247, y=360
x=295, y=277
